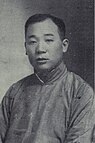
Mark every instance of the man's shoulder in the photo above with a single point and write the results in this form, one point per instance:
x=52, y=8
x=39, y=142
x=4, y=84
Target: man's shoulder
x=20, y=85
x=24, y=80
x=78, y=84
x=75, y=79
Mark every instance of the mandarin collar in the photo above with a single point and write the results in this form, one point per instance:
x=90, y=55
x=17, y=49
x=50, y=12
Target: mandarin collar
x=53, y=75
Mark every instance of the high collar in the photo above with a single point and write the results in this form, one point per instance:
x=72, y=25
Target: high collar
x=53, y=75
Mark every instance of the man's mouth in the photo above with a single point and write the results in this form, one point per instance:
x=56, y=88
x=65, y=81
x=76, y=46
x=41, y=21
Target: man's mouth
x=42, y=60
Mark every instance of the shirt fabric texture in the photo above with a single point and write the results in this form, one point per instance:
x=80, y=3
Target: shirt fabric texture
x=58, y=110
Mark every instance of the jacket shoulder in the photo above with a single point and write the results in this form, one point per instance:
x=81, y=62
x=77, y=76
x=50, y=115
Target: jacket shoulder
x=19, y=86
x=77, y=86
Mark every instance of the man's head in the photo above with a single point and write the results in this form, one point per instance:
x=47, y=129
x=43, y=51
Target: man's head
x=45, y=41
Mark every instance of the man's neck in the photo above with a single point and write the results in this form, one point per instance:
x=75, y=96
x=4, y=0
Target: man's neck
x=51, y=75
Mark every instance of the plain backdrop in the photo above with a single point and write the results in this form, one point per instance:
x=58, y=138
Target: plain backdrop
x=78, y=16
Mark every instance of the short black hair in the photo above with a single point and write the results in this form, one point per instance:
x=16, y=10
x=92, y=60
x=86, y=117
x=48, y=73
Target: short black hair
x=41, y=17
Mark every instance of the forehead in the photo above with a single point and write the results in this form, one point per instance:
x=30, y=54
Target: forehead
x=43, y=27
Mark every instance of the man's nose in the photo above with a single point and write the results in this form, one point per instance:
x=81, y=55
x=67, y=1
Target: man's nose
x=41, y=48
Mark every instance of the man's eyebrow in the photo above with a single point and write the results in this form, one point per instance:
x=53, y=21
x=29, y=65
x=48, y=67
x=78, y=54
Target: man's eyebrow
x=48, y=34
x=31, y=36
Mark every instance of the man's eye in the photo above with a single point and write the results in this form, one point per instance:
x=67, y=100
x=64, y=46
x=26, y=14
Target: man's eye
x=49, y=40
x=32, y=42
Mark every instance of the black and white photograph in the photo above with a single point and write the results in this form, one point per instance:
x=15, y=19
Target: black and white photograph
x=47, y=71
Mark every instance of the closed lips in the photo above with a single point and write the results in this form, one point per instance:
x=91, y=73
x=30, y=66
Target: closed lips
x=41, y=59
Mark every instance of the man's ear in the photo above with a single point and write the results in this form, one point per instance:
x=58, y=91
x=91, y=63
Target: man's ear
x=65, y=44
x=25, y=47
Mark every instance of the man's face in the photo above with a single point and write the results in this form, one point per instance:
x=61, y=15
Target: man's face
x=44, y=46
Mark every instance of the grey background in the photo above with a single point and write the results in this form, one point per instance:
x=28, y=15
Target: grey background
x=78, y=17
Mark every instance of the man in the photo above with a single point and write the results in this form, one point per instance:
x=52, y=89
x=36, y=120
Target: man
x=52, y=105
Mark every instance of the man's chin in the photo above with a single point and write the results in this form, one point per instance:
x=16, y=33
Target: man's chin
x=43, y=68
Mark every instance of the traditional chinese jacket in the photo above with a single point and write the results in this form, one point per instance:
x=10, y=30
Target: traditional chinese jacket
x=58, y=109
